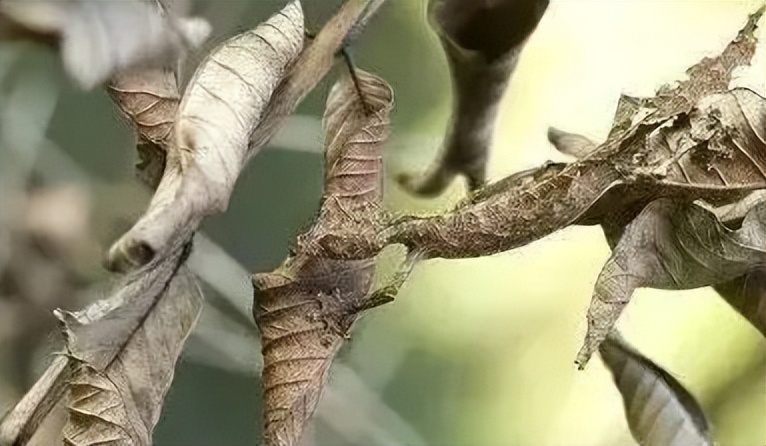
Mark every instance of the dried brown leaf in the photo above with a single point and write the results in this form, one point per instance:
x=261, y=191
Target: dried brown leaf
x=305, y=309
x=659, y=410
x=222, y=105
x=120, y=400
x=482, y=42
x=353, y=163
x=98, y=38
x=711, y=75
x=149, y=98
x=746, y=294
x=121, y=355
x=672, y=245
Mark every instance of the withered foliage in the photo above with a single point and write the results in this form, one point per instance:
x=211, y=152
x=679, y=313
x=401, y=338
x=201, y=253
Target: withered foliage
x=306, y=307
x=119, y=361
x=671, y=244
x=109, y=384
x=669, y=187
x=209, y=147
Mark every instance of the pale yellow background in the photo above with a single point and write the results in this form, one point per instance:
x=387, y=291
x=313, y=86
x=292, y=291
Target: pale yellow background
x=525, y=310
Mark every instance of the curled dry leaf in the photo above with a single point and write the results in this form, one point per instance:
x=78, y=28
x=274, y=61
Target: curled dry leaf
x=306, y=308
x=122, y=400
x=673, y=245
x=659, y=410
x=482, y=41
x=149, y=98
x=227, y=95
x=746, y=294
x=222, y=105
x=120, y=360
x=98, y=38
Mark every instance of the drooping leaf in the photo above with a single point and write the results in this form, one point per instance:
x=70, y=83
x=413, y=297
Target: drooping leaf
x=98, y=38
x=306, y=308
x=673, y=245
x=149, y=98
x=482, y=41
x=659, y=410
x=222, y=105
x=121, y=400
x=120, y=360
x=747, y=293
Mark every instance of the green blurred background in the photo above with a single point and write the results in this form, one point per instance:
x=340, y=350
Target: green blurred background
x=473, y=352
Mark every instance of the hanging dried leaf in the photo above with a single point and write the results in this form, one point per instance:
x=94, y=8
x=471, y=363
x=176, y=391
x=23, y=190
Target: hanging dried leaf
x=660, y=412
x=149, y=98
x=305, y=309
x=671, y=245
x=118, y=395
x=98, y=38
x=746, y=294
x=482, y=41
x=121, y=355
x=228, y=93
x=222, y=105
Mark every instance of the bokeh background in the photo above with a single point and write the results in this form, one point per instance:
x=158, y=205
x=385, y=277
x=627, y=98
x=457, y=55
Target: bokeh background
x=473, y=352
